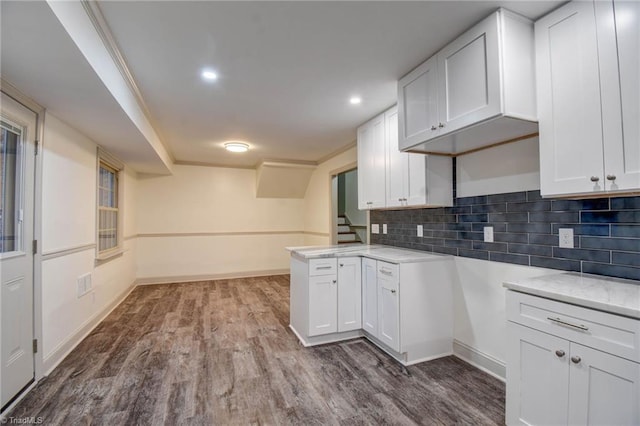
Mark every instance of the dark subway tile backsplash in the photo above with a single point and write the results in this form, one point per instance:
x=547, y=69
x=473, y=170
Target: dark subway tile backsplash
x=606, y=231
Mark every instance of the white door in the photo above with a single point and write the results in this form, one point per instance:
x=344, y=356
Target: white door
x=349, y=294
x=388, y=305
x=568, y=92
x=323, y=304
x=397, y=163
x=369, y=297
x=371, y=164
x=618, y=47
x=17, y=166
x=537, y=377
x=418, y=104
x=469, y=77
x=605, y=389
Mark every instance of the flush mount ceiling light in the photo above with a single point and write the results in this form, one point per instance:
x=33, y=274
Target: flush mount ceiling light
x=209, y=75
x=236, y=146
x=355, y=100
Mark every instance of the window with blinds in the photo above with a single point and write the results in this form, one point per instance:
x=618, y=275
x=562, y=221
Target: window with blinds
x=108, y=222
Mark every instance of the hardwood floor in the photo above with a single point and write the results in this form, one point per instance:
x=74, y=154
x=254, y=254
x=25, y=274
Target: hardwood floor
x=221, y=352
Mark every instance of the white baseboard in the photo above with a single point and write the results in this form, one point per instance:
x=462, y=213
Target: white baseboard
x=478, y=359
x=60, y=352
x=209, y=277
x=328, y=338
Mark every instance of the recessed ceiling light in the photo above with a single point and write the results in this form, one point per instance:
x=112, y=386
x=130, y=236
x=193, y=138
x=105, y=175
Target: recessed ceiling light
x=236, y=146
x=355, y=100
x=209, y=75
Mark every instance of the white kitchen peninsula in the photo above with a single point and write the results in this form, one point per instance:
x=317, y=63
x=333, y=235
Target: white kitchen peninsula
x=399, y=299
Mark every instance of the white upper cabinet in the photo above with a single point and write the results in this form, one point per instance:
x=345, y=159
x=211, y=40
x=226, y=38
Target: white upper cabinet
x=409, y=179
x=371, y=164
x=477, y=91
x=588, y=98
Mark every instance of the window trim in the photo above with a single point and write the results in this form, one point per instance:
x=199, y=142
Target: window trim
x=112, y=162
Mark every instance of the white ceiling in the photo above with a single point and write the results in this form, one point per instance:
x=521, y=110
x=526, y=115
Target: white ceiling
x=287, y=69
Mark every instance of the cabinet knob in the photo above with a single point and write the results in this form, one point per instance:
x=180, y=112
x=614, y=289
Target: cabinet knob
x=433, y=128
x=576, y=359
x=400, y=199
x=341, y=265
x=594, y=178
x=559, y=353
x=393, y=292
x=334, y=281
x=441, y=125
x=611, y=177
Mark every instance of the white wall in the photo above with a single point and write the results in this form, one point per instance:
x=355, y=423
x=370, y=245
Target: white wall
x=68, y=241
x=206, y=222
x=506, y=168
x=317, y=200
x=479, y=298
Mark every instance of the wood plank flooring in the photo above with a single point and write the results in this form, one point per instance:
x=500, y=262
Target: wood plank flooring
x=220, y=352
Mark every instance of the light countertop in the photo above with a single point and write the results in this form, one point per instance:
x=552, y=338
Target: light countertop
x=378, y=252
x=613, y=295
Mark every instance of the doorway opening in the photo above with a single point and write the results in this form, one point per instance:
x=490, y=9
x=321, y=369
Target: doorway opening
x=350, y=224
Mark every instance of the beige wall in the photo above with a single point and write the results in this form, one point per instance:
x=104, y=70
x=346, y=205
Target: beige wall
x=207, y=222
x=317, y=200
x=68, y=241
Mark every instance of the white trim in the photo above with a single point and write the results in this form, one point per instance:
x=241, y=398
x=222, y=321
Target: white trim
x=480, y=360
x=3, y=417
x=67, y=251
x=327, y=338
x=219, y=234
x=209, y=277
x=60, y=352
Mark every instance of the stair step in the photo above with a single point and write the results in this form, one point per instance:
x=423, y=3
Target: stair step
x=350, y=236
x=344, y=228
x=342, y=220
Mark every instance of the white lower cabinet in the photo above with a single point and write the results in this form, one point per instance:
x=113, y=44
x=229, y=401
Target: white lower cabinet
x=552, y=380
x=349, y=295
x=408, y=309
x=323, y=305
x=388, y=305
x=369, y=296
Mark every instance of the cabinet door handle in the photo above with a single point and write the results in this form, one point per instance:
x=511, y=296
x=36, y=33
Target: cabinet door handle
x=576, y=359
x=611, y=177
x=369, y=202
x=594, y=178
x=393, y=292
x=433, y=128
x=441, y=125
x=568, y=324
x=385, y=271
x=559, y=353
x=323, y=267
x=341, y=265
x=400, y=199
x=334, y=281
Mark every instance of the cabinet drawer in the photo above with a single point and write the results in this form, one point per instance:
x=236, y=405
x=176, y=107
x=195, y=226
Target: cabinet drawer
x=610, y=333
x=322, y=266
x=388, y=270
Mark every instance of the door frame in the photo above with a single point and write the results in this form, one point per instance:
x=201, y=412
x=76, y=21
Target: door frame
x=12, y=92
x=333, y=204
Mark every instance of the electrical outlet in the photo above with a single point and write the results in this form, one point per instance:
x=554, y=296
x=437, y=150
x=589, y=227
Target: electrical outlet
x=419, y=231
x=375, y=228
x=488, y=234
x=384, y=228
x=565, y=235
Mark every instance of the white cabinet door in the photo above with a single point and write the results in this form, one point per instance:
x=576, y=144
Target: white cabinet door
x=469, y=77
x=418, y=104
x=349, y=294
x=397, y=163
x=371, y=164
x=568, y=92
x=369, y=297
x=388, y=305
x=605, y=389
x=537, y=377
x=323, y=304
x=618, y=47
